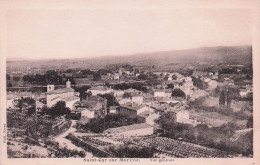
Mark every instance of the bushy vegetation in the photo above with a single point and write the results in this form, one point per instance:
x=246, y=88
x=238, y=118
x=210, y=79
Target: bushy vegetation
x=217, y=137
x=197, y=82
x=178, y=93
x=50, y=77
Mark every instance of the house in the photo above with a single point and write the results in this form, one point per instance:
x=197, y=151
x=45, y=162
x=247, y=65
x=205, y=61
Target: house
x=100, y=90
x=88, y=113
x=97, y=103
x=147, y=117
x=168, y=93
x=138, y=99
x=122, y=100
x=135, y=96
x=158, y=93
x=11, y=100
x=116, y=77
x=65, y=94
x=131, y=110
x=131, y=130
x=180, y=115
x=118, y=93
x=114, y=109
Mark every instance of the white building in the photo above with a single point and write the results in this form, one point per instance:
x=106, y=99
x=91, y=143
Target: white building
x=89, y=113
x=100, y=90
x=158, y=93
x=65, y=94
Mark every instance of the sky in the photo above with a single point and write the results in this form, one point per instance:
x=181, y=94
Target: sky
x=94, y=31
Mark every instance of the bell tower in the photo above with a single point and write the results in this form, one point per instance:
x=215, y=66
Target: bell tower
x=68, y=84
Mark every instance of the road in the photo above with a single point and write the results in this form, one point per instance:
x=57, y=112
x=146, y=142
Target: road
x=61, y=139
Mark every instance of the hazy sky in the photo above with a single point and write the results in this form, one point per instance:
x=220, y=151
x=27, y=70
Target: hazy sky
x=41, y=34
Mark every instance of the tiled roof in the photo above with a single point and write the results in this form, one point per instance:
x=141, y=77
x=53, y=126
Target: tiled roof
x=71, y=98
x=132, y=106
x=144, y=114
x=128, y=128
x=96, y=98
x=59, y=91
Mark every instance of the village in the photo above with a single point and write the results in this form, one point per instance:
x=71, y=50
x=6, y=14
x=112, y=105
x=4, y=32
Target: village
x=129, y=111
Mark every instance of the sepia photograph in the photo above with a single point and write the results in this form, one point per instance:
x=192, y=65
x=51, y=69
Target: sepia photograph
x=120, y=80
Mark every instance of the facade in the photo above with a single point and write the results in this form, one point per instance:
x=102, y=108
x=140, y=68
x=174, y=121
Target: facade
x=114, y=109
x=97, y=103
x=138, y=99
x=65, y=94
x=159, y=93
x=131, y=110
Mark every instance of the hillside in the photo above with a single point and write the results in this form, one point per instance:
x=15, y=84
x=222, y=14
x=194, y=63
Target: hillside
x=207, y=55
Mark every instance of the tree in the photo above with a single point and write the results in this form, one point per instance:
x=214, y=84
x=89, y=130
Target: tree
x=60, y=109
x=8, y=77
x=9, y=84
x=178, y=93
x=111, y=100
x=250, y=123
x=166, y=122
x=199, y=83
x=72, y=81
x=171, y=85
x=127, y=95
x=97, y=76
x=16, y=78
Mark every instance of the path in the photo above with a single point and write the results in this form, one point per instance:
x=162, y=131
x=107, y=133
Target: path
x=66, y=142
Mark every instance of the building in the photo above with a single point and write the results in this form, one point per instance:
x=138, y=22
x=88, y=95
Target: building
x=114, y=109
x=131, y=130
x=118, y=93
x=65, y=94
x=96, y=103
x=181, y=115
x=158, y=93
x=11, y=100
x=138, y=99
x=147, y=117
x=100, y=90
x=168, y=93
x=131, y=110
x=88, y=113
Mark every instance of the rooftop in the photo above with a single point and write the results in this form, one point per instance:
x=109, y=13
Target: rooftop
x=71, y=98
x=144, y=114
x=128, y=128
x=59, y=91
x=132, y=106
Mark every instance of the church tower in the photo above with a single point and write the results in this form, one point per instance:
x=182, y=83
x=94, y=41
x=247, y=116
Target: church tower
x=68, y=84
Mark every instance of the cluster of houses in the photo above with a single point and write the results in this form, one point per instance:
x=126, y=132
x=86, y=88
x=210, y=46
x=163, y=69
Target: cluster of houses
x=134, y=104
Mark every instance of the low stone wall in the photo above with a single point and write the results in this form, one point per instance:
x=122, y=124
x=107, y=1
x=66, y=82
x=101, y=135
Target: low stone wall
x=96, y=151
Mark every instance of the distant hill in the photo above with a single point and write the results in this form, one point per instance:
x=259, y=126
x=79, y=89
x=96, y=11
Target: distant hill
x=207, y=55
